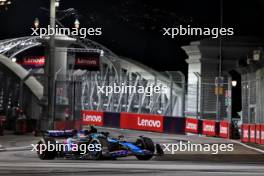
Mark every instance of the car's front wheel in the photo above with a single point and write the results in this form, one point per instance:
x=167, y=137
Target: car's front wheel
x=147, y=144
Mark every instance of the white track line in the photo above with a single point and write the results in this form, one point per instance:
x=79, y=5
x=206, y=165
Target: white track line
x=247, y=146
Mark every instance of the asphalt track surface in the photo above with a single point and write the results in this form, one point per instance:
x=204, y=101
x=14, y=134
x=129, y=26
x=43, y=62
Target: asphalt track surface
x=25, y=162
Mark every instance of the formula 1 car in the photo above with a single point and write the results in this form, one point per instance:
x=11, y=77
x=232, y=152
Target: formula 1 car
x=104, y=146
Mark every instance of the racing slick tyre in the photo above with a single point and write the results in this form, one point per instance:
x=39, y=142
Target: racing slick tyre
x=98, y=154
x=45, y=154
x=147, y=144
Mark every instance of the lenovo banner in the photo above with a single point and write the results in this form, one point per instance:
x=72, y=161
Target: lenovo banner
x=92, y=118
x=224, y=129
x=112, y=119
x=147, y=122
x=87, y=61
x=191, y=125
x=262, y=134
x=210, y=128
x=258, y=132
x=175, y=125
x=252, y=133
x=245, y=132
x=33, y=62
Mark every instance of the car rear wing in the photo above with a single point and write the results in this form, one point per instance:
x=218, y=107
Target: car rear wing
x=59, y=133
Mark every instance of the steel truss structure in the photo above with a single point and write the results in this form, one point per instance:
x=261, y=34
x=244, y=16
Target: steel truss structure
x=120, y=71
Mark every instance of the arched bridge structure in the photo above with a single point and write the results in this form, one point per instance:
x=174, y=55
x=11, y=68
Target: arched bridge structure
x=113, y=70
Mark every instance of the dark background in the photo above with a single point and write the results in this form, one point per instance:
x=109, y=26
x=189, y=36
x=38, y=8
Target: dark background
x=133, y=28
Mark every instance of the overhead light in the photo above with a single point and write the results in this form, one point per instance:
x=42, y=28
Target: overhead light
x=76, y=23
x=13, y=59
x=234, y=83
x=36, y=22
x=4, y=2
x=256, y=55
x=57, y=3
x=102, y=53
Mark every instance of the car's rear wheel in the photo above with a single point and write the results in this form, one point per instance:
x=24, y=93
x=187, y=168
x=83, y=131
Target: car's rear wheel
x=147, y=144
x=45, y=154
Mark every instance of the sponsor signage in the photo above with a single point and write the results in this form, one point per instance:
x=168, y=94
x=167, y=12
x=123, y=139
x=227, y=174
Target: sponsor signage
x=224, y=129
x=87, y=61
x=252, y=132
x=209, y=128
x=146, y=122
x=92, y=118
x=258, y=132
x=191, y=125
x=262, y=134
x=245, y=133
x=33, y=61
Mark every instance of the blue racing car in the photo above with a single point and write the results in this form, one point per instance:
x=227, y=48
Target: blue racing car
x=90, y=144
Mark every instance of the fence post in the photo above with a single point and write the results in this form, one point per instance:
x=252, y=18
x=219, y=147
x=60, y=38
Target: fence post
x=171, y=87
x=197, y=94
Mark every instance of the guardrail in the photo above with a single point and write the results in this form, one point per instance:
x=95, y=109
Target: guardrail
x=149, y=122
x=250, y=133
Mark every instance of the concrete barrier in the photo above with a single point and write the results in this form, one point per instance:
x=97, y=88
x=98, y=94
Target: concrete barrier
x=112, y=119
x=258, y=133
x=92, y=118
x=145, y=122
x=262, y=134
x=245, y=133
x=252, y=133
x=210, y=128
x=224, y=129
x=193, y=125
x=175, y=125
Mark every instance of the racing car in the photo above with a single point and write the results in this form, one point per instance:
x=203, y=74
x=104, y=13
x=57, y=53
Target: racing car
x=143, y=148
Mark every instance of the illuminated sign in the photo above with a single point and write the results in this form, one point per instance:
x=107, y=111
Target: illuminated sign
x=87, y=61
x=33, y=61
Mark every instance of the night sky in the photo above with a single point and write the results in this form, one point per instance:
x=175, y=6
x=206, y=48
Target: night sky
x=133, y=28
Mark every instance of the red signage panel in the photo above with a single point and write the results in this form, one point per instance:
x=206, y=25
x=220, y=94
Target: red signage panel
x=262, y=134
x=92, y=118
x=224, y=129
x=252, y=133
x=146, y=122
x=209, y=128
x=33, y=61
x=87, y=61
x=245, y=132
x=191, y=125
x=258, y=132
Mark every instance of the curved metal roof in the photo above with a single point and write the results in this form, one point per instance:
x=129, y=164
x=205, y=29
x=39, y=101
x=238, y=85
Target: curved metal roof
x=35, y=87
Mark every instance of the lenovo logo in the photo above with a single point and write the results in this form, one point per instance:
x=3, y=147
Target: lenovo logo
x=85, y=61
x=262, y=135
x=208, y=128
x=191, y=126
x=148, y=123
x=257, y=134
x=245, y=133
x=92, y=118
x=223, y=130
